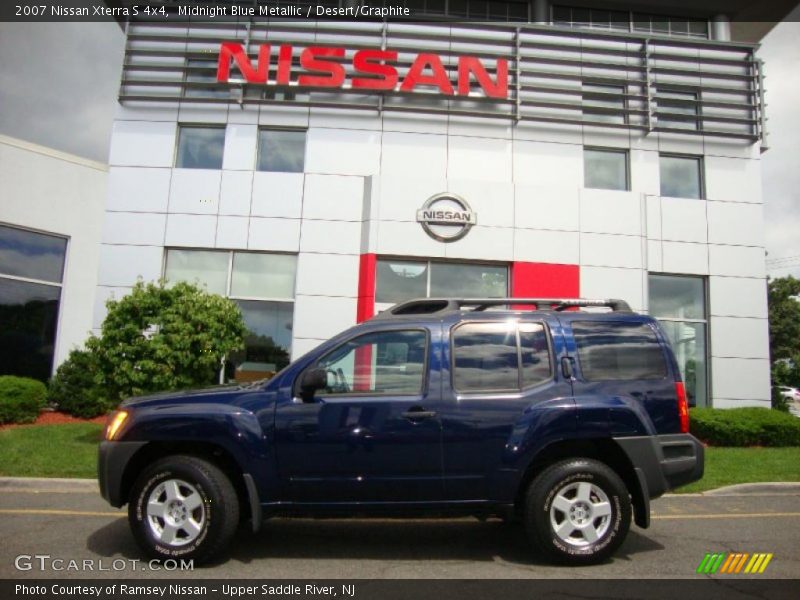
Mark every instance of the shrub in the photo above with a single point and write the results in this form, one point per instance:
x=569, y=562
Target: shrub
x=165, y=338
x=75, y=387
x=745, y=427
x=21, y=399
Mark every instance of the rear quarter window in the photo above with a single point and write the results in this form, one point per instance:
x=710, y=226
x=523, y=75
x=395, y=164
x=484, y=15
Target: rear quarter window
x=618, y=351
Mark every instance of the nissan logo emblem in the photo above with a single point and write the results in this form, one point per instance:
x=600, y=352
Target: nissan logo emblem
x=446, y=217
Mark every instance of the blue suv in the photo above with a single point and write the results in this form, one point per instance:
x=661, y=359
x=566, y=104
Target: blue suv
x=560, y=413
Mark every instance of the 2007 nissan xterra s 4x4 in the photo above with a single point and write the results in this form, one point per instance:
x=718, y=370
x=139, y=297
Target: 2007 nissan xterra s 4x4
x=569, y=419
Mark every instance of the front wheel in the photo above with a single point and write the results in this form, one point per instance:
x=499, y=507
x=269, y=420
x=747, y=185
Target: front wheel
x=183, y=507
x=577, y=511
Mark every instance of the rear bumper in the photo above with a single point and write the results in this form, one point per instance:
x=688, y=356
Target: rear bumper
x=112, y=460
x=664, y=462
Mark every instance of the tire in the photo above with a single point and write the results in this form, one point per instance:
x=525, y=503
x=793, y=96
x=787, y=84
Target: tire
x=599, y=505
x=183, y=507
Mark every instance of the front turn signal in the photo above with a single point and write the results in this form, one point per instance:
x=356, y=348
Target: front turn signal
x=114, y=423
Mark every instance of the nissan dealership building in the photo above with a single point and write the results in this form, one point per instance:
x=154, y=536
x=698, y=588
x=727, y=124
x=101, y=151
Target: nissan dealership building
x=317, y=172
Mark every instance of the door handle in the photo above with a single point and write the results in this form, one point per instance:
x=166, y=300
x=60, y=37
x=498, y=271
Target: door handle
x=567, y=370
x=418, y=413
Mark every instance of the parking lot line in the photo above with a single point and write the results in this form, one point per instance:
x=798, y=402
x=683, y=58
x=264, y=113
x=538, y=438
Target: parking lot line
x=728, y=515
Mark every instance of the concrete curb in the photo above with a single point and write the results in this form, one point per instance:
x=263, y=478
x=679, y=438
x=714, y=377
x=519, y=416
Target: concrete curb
x=48, y=484
x=746, y=489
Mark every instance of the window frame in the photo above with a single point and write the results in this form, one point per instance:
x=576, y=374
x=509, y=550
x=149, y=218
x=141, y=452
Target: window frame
x=229, y=278
x=59, y=285
x=598, y=116
x=631, y=21
x=610, y=150
x=654, y=331
x=701, y=173
x=428, y=262
x=180, y=126
x=668, y=120
x=261, y=129
x=371, y=394
x=706, y=322
x=520, y=389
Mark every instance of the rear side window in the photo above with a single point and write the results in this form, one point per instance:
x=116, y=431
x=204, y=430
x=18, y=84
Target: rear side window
x=500, y=357
x=618, y=351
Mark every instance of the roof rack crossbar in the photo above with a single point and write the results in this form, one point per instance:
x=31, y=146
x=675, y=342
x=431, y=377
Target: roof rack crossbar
x=422, y=306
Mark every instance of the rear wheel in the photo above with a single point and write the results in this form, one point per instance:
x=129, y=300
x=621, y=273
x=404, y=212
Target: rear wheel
x=183, y=506
x=577, y=511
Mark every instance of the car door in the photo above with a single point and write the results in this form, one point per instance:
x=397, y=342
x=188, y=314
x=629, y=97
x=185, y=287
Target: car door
x=502, y=371
x=370, y=435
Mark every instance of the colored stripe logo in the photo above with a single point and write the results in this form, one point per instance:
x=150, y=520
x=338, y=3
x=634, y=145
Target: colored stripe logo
x=733, y=563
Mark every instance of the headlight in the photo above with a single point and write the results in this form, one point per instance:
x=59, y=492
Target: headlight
x=114, y=423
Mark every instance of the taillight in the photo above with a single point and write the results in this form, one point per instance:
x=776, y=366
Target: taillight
x=683, y=406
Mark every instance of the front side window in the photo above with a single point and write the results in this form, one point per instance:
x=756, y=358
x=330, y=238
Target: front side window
x=200, y=147
x=681, y=176
x=679, y=303
x=281, y=150
x=605, y=169
x=401, y=280
x=31, y=273
x=618, y=351
x=262, y=285
x=500, y=356
x=390, y=363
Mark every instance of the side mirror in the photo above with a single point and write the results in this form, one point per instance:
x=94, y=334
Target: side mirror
x=311, y=381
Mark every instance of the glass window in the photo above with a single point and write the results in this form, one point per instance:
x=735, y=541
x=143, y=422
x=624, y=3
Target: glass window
x=281, y=150
x=262, y=285
x=200, y=147
x=681, y=176
x=534, y=354
x=605, y=169
x=28, y=320
x=677, y=297
x=679, y=303
x=258, y=275
x=618, y=351
x=267, y=341
x=463, y=280
x=31, y=255
x=203, y=72
x=399, y=280
x=386, y=363
x=485, y=357
x=684, y=103
x=598, y=95
x=206, y=268
x=31, y=271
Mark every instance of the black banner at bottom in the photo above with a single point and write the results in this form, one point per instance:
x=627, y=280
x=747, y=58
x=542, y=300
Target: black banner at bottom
x=388, y=589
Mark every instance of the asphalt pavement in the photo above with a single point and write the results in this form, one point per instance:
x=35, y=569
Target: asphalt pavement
x=63, y=529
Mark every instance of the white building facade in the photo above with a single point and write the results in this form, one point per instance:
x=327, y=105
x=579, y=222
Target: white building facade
x=566, y=161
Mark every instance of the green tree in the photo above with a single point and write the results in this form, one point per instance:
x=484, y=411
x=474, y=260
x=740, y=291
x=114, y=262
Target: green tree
x=784, y=331
x=156, y=338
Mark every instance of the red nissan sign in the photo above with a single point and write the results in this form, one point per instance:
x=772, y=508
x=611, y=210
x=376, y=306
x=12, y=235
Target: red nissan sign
x=373, y=70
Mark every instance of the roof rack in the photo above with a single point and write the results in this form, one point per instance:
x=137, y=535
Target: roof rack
x=429, y=306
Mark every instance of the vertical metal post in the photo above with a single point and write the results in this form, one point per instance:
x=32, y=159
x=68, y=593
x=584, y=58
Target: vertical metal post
x=762, y=105
x=384, y=35
x=648, y=93
x=518, y=77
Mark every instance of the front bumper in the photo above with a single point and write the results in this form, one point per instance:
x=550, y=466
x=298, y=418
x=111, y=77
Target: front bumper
x=664, y=462
x=112, y=460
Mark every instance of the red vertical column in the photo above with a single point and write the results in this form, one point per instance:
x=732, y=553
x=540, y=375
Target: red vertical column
x=544, y=280
x=365, y=307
